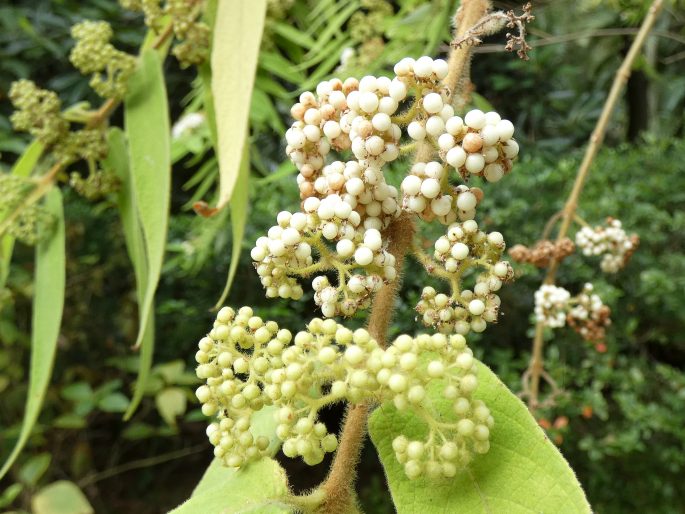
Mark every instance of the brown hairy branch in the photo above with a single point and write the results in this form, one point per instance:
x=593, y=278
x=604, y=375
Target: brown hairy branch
x=536, y=367
x=494, y=22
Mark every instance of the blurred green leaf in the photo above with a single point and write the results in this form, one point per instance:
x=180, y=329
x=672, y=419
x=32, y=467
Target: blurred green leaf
x=114, y=402
x=34, y=468
x=171, y=403
x=48, y=302
x=62, y=497
x=10, y=494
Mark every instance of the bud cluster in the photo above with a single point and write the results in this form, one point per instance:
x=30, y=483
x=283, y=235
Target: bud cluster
x=33, y=221
x=248, y=363
x=465, y=248
x=38, y=112
x=93, y=54
x=585, y=312
x=192, y=33
x=611, y=242
x=543, y=252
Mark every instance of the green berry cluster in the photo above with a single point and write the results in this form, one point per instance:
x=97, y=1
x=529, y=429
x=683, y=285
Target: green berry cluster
x=93, y=54
x=192, y=34
x=33, y=222
x=248, y=363
x=97, y=184
x=38, y=112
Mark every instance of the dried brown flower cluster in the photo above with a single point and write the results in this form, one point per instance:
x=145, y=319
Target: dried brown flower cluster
x=543, y=252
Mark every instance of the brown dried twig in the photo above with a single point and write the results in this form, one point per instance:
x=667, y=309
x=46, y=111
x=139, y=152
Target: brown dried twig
x=496, y=21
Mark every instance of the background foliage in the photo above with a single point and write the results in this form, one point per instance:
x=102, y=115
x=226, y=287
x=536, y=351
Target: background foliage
x=620, y=419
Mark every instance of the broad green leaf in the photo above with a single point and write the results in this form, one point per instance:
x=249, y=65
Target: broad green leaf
x=523, y=473
x=254, y=489
x=22, y=168
x=239, y=210
x=171, y=402
x=62, y=497
x=48, y=301
x=146, y=119
x=235, y=49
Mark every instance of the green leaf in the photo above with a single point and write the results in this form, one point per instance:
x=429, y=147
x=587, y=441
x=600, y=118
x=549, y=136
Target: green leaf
x=292, y=34
x=22, y=168
x=225, y=490
x=34, y=468
x=113, y=402
x=171, y=402
x=333, y=27
x=62, y=497
x=239, y=209
x=235, y=50
x=10, y=494
x=48, y=302
x=522, y=473
x=117, y=160
x=146, y=119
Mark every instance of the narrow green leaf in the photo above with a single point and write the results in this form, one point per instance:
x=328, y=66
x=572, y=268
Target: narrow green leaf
x=224, y=490
x=48, y=301
x=239, y=210
x=146, y=119
x=118, y=162
x=62, y=497
x=292, y=34
x=523, y=473
x=22, y=168
x=333, y=27
x=235, y=50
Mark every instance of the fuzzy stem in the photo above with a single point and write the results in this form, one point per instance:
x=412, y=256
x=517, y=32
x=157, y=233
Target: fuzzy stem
x=536, y=367
x=469, y=14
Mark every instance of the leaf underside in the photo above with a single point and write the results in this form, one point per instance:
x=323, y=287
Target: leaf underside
x=523, y=473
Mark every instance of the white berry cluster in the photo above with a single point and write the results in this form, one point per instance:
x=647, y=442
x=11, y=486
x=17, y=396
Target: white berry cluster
x=481, y=144
x=610, y=241
x=463, y=249
x=426, y=195
x=358, y=254
x=348, y=204
x=551, y=305
x=585, y=313
x=588, y=315
x=248, y=363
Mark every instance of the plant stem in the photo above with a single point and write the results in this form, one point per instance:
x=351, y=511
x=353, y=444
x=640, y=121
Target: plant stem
x=535, y=369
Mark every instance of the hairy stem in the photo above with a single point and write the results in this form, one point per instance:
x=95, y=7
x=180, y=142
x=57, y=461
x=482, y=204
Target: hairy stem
x=536, y=367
